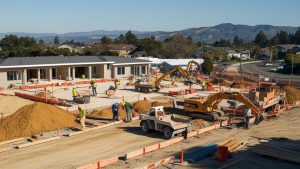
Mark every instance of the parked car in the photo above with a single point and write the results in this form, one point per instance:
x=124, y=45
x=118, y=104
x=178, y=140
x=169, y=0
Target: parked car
x=268, y=64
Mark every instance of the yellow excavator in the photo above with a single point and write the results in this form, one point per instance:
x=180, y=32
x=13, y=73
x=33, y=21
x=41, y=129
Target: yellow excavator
x=189, y=66
x=208, y=108
x=155, y=86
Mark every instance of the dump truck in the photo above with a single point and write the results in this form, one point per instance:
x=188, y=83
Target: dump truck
x=170, y=125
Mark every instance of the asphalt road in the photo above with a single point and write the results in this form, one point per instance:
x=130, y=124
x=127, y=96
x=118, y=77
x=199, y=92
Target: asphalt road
x=258, y=68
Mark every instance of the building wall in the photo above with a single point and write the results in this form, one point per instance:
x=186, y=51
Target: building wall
x=62, y=72
x=128, y=70
x=3, y=77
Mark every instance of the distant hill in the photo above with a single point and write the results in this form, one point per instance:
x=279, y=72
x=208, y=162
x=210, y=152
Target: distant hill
x=204, y=34
x=225, y=31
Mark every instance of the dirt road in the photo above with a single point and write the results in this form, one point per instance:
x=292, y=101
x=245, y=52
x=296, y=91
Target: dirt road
x=285, y=127
x=79, y=150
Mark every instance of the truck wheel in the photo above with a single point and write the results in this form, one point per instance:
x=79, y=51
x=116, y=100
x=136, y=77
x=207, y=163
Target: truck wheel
x=145, y=126
x=168, y=132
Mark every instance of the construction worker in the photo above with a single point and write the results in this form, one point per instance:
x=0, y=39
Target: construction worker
x=173, y=80
x=203, y=84
x=117, y=84
x=82, y=117
x=247, y=118
x=127, y=107
x=94, y=87
x=74, y=94
x=115, y=111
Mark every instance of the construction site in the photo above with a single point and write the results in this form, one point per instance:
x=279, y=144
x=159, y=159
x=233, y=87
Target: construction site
x=181, y=118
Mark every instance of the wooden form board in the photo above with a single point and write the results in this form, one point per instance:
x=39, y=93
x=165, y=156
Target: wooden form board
x=37, y=142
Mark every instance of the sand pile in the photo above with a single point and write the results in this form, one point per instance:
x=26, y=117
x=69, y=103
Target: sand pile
x=165, y=104
x=142, y=107
x=292, y=94
x=35, y=119
x=10, y=104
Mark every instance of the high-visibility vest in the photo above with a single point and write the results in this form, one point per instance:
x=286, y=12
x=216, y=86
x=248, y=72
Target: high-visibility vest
x=74, y=92
x=82, y=112
x=93, y=84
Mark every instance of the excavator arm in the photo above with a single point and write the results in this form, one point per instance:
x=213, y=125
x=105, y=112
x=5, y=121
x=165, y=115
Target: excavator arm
x=213, y=100
x=177, y=68
x=190, y=65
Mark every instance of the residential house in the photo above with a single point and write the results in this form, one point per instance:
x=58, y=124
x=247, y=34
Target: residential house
x=20, y=70
x=283, y=49
x=71, y=48
x=121, y=49
x=245, y=55
x=232, y=53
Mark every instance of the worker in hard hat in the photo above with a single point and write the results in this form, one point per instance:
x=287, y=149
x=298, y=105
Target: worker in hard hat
x=82, y=117
x=74, y=94
x=94, y=87
x=203, y=84
x=115, y=111
x=127, y=107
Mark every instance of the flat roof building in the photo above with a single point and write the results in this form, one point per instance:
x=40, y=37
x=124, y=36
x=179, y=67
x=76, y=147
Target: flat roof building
x=20, y=70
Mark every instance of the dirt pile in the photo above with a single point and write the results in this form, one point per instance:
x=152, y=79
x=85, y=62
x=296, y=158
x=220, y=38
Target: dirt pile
x=35, y=119
x=10, y=104
x=165, y=104
x=142, y=107
x=107, y=113
x=292, y=94
x=199, y=123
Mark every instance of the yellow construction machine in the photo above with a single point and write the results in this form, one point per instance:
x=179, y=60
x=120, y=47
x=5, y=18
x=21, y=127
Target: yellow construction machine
x=155, y=86
x=208, y=108
x=189, y=66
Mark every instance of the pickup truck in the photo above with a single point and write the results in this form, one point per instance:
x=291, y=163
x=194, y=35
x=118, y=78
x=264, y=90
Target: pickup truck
x=170, y=125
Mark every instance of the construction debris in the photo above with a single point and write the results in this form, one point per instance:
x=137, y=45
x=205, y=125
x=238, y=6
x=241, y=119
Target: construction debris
x=35, y=119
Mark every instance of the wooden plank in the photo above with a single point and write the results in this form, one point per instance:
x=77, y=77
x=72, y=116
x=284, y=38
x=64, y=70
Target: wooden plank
x=37, y=142
x=11, y=141
x=287, y=155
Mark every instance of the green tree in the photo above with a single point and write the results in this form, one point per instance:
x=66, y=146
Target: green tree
x=106, y=40
x=178, y=46
x=297, y=37
x=56, y=40
x=275, y=40
x=120, y=39
x=207, y=66
x=222, y=43
x=283, y=37
x=130, y=38
x=261, y=39
x=237, y=41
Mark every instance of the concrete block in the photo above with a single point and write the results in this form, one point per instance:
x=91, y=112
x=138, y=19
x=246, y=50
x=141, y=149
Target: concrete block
x=37, y=142
x=151, y=148
x=134, y=153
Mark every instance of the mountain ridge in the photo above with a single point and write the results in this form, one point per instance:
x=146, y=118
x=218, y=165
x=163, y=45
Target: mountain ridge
x=203, y=34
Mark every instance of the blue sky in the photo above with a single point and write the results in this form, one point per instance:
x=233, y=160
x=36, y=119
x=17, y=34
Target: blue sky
x=61, y=16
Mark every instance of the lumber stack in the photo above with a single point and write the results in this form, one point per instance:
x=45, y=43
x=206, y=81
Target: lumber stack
x=288, y=151
x=233, y=144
